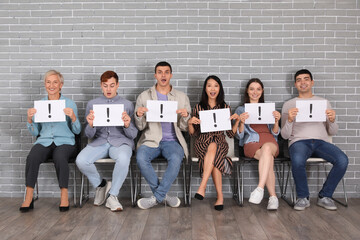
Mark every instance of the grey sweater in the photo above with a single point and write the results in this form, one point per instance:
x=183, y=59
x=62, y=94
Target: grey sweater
x=296, y=131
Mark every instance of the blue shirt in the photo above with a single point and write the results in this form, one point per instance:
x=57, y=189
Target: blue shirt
x=249, y=134
x=168, y=130
x=56, y=132
x=115, y=135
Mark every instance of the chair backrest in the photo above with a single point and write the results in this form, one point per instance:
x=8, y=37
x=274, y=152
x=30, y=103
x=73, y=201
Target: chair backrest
x=78, y=142
x=230, y=142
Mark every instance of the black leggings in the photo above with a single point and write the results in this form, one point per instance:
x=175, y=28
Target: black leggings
x=59, y=154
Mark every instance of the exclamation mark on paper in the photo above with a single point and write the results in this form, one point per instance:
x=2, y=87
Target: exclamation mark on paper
x=108, y=114
x=259, y=109
x=311, y=107
x=214, y=116
x=49, y=107
x=161, y=110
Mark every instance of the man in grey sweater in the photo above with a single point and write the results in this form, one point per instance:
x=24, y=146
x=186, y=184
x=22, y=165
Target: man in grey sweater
x=307, y=139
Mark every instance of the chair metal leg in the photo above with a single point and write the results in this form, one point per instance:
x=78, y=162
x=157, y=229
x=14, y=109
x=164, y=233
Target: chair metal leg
x=36, y=195
x=75, y=202
x=184, y=182
x=137, y=192
x=242, y=184
x=83, y=198
x=290, y=201
x=280, y=176
x=189, y=185
x=133, y=203
x=236, y=190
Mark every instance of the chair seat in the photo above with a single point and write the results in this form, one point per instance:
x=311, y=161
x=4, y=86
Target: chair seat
x=105, y=160
x=277, y=159
x=316, y=160
x=195, y=159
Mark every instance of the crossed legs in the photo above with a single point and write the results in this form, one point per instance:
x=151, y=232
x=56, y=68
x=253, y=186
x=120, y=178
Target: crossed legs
x=208, y=170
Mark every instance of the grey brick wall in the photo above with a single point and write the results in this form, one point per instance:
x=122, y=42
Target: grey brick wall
x=236, y=40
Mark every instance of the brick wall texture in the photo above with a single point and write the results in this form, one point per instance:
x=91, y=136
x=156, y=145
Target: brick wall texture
x=236, y=40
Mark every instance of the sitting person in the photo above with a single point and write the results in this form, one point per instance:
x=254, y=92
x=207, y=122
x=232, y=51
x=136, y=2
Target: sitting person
x=308, y=139
x=211, y=147
x=55, y=140
x=163, y=138
x=116, y=142
x=260, y=142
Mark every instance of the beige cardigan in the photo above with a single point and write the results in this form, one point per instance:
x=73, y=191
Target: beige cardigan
x=151, y=131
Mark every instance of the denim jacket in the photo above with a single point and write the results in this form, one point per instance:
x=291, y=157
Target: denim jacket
x=249, y=134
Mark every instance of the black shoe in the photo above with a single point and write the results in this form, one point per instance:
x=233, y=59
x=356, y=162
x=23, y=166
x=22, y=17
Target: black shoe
x=64, y=209
x=219, y=207
x=26, y=209
x=199, y=196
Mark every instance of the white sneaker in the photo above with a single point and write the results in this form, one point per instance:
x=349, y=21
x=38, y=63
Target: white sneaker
x=146, y=203
x=273, y=203
x=101, y=193
x=113, y=203
x=256, y=196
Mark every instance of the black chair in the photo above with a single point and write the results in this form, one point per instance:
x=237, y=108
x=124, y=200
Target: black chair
x=71, y=162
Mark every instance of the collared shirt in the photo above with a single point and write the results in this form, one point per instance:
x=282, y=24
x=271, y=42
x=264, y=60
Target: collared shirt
x=115, y=135
x=249, y=134
x=56, y=132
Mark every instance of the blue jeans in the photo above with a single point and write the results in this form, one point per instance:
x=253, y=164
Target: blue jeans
x=173, y=153
x=122, y=155
x=301, y=150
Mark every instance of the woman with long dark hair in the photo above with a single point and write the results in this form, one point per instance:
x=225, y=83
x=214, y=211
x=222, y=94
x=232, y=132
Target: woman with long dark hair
x=211, y=148
x=260, y=142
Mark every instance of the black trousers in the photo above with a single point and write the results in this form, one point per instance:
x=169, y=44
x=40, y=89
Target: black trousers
x=59, y=154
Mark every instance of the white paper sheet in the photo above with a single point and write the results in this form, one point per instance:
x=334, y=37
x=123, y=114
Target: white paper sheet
x=311, y=110
x=215, y=120
x=161, y=111
x=108, y=114
x=260, y=113
x=49, y=111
